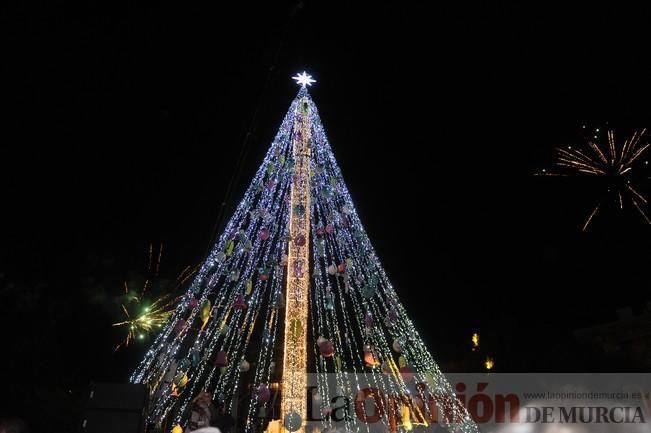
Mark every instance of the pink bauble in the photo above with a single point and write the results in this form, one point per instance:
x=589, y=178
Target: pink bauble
x=194, y=303
x=221, y=360
x=264, y=277
x=327, y=349
x=342, y=267
x=299, y=240
x=263, y=393
x=240, y=302
x=263, y=234
x=368, y=320
x=330, y=229
x=298, y=270
x=179, y=326
x=320, y=231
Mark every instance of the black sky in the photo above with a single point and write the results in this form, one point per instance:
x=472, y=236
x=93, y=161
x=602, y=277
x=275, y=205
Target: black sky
x=124, y=121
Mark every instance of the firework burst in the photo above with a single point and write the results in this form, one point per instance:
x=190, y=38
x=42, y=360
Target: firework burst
x=613, y=161
x=145, y=311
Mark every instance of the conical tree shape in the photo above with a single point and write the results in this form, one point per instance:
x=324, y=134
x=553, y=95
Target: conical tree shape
x=295, y=245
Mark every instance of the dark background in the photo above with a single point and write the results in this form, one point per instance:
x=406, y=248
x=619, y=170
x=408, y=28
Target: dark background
x=123, y=124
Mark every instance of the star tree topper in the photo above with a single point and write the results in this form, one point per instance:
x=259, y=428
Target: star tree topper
x=304, y=79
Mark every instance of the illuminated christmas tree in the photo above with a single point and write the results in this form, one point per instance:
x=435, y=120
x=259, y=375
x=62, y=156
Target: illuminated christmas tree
x=294, y=281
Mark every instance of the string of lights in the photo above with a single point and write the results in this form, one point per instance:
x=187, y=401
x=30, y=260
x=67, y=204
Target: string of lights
x=294, y=275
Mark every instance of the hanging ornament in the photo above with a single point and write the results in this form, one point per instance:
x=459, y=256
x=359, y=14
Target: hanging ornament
x=249, y=286
x=296, y=328
x=248, y=246
x=341, y=268
x=263, y=234
x=332, y=270
x=330, y=301
x=220, y=257
x=392, y=317
x=230, y=246
x=320, y=231
x=397, y=345
x=333, y=181
x=402, y=361
x=264, y=273
x=270, y=184
x=346, y=210
x=270, y=167
x=329, y=229
x=349, y=263
x=193, y=303
x=205, y=310
x=263, y=393
x=338, y=362
x=326, y=192
x=326, y=348
x=240, y=303
x=281, y=159
x=195, y=356
x=299, y=241
x=293, y=421
x=244, y=366
x=178, y=328
x=234, y=275
x=386, y=369
x=221, y=360
x=369, y=357
x=298, y=269
x=368, y=291
x=181, y=379
x=299, y=210
x=177, y=429
x=184, y=365
x=368, y=319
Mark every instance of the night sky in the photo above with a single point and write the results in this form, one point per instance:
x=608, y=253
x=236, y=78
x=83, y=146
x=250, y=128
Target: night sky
x=123, y=124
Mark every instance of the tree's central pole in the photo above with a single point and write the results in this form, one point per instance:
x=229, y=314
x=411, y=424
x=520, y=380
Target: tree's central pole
x=294, y=382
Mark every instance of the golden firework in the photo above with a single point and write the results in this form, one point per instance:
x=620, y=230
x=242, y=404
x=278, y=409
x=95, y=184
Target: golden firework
x=614, y=161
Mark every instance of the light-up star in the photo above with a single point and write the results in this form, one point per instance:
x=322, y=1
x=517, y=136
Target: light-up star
x=304, y=79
